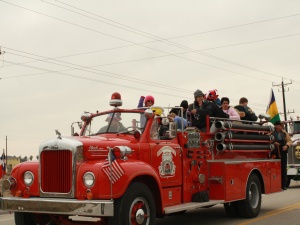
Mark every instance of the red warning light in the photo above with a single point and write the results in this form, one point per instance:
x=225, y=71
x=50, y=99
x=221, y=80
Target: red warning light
x=115, y=99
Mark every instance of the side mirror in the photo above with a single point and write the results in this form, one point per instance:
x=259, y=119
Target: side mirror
x=172, y=129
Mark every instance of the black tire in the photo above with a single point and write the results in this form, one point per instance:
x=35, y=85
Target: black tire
x=136, y=206
x=288, y=182
x=22, y=218
x=231, y=209
x=250, y=207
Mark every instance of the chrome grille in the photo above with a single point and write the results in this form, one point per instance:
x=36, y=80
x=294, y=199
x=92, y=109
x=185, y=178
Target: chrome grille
x=56, y=171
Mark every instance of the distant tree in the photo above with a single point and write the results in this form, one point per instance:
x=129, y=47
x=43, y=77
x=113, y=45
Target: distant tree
x=25, y=158
x=31, y=157
x=37, y=157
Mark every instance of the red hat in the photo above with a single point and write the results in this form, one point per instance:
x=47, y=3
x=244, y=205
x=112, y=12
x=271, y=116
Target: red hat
x=212, y=95
x=149, y=98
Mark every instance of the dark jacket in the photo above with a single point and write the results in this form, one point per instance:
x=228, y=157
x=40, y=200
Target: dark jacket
x=250, y=116
x=199, y=118
x=217, y=111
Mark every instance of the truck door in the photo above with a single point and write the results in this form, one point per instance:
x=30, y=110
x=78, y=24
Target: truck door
x=166, y=156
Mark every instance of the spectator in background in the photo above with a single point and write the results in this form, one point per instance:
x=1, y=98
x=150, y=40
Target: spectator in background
x=184, y=104
x=233, y=114
x=282, y=143
x=243, y=107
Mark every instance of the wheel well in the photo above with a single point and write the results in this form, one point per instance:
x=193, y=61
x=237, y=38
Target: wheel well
x=152, y=184
x=261, y=180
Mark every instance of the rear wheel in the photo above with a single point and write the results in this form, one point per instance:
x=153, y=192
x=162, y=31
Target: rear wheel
x=288, y=182
x=135, y=207
x=250, y=207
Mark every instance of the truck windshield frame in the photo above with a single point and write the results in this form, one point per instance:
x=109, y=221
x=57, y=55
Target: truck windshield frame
x=113, y=122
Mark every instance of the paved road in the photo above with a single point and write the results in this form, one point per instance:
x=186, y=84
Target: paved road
x=277, y=209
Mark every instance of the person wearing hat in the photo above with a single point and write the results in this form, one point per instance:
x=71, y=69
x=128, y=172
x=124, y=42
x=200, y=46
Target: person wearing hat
x=184, y=104
x=282, y=142
x=114, y=124
x=144, y=102
x=198, y=111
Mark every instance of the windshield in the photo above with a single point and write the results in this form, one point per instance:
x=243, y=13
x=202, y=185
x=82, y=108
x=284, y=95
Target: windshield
x=296, y=129
x=115, y=122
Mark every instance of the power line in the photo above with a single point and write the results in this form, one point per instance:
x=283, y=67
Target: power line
x=180, y=53
x=128, y=40
x=102, y=73
x=118, y=76
x=156, y=38
x=233, y=72
x=95, y=80
x=177, y=37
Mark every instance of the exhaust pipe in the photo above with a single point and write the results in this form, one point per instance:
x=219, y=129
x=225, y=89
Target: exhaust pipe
x=221, y=147
x=241, y=126
x=221, y=136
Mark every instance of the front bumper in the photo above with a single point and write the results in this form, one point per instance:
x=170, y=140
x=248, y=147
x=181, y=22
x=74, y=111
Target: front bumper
x=58, y=206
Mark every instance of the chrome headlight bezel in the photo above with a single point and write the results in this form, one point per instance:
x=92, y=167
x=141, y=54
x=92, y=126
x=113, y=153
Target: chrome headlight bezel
x=88, y=179
x=28, y=178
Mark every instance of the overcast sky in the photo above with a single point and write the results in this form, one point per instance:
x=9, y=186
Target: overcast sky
x=61, y=58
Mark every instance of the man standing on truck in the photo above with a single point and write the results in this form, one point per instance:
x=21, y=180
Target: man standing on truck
x=282, y=143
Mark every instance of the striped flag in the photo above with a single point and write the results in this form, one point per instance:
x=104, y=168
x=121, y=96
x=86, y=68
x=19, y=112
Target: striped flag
x=2, y=163
x=114, y=171
x=272, y=109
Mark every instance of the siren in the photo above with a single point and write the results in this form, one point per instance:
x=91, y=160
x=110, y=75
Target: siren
x=115, y=100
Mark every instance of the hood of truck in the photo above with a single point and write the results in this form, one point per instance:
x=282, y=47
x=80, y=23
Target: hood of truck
x=92, y=147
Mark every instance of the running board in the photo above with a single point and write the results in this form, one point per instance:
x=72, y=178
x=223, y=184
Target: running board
x=191, y=205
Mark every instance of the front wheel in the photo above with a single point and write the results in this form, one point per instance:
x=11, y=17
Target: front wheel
x=250, y=207
x=22, y=218
x=135, y=207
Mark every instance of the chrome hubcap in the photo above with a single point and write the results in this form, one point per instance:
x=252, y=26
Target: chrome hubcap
x=140, y=216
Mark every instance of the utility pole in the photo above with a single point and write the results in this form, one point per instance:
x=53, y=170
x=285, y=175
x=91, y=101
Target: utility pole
x=6, y=155
x=283, y=98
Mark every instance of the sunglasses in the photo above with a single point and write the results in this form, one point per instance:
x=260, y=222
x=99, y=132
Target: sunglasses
x=150, y=101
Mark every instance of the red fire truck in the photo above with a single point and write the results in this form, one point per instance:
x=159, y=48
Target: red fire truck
x=121, y=169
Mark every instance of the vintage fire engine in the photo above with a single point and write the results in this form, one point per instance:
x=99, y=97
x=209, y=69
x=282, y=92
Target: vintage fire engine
x=293, y=167
x=121, y=169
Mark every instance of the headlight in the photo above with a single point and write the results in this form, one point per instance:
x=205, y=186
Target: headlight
x=89, y=179
x=28, y=178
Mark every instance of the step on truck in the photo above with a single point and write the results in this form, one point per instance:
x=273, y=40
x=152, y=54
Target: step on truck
x=121, y=169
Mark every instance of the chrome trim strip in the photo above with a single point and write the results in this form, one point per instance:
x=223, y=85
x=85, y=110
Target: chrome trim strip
x=234, y=161
x=58, y=206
